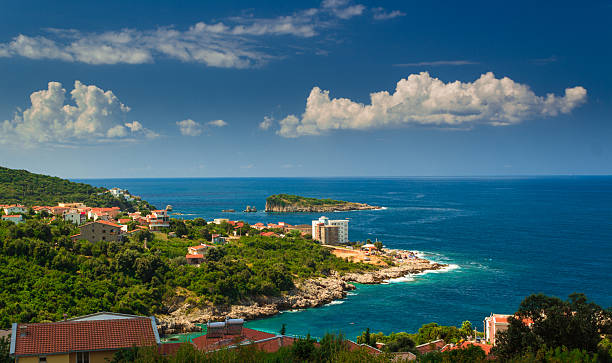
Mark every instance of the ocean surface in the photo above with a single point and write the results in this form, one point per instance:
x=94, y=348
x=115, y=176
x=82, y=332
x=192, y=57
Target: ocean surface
x=504, y=238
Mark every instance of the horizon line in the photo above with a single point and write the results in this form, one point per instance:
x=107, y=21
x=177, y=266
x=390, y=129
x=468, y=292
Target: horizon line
x=352, y=176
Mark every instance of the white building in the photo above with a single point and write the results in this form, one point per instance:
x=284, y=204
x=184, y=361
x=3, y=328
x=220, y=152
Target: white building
x=341, y=223
x=158, y=219
x=75, y=217
x=15, y=209
x=16, y=218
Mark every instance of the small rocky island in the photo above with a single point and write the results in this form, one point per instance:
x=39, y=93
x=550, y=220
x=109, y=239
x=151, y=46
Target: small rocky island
x=287, y=203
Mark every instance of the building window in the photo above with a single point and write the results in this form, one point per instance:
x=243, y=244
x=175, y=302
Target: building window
x=103, y=238
x=82, y=357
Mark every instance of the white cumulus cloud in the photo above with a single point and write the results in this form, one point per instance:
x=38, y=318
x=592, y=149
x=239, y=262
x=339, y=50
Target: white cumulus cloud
x=422, y=99
x=266, y=123
x=94, y=115
x=217, y=123
x=189, y=127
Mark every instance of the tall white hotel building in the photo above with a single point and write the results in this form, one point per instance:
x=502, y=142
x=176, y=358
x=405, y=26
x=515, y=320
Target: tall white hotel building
x=341, y=223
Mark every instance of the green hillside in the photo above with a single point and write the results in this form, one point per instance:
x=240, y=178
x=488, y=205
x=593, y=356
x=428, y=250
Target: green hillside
x=21, y=186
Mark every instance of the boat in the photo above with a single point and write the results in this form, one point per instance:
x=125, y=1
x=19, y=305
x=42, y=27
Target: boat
x=169, y=208
x=250, y=209
x=228, y=210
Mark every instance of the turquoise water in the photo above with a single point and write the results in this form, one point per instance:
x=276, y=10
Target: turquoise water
x=504, y=237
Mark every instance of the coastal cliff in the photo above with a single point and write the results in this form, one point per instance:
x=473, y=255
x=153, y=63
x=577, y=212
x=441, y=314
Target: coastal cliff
x=183, y=314
x=286, y=203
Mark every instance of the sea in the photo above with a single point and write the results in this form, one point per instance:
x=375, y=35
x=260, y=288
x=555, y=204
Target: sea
x=503, y=239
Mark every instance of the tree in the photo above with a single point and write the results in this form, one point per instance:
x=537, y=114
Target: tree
x=283, y=329
x=466, y=328
x=575, y=324
x=379, y=245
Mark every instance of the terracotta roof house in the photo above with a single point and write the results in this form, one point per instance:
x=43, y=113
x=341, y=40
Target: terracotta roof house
x=15, y=218
x=497, y=323
x=99, y=231
x=434, y=345
x=92, y=338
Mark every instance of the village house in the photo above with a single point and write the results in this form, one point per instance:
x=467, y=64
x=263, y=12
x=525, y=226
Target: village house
x=194, y=259
x=42, y=208
x=158, y=219
x=194, y=250
x=15, y=218
x=59, y=211
x=103, y=213
x=76, y=217
x=99, y=231
x=217, y=239
x=497, y=323
x=433, y=346
x=15, y=209
x=92, y=338
x=71, y=205
x=259, y=226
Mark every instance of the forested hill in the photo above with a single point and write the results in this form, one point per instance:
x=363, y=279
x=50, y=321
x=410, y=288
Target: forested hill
x=21, y=186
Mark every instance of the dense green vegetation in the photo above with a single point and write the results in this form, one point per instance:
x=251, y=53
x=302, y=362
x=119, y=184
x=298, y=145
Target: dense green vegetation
x=575, y=324
x=44, y=274
x=575, y=330
x=20, y=186
x=406, y=342
x=331, y=348
x=289, y=199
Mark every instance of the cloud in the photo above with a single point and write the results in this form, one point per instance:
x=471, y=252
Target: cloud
x=424, y=100
x=437, y=63
x=266, y=123
x=235, y=42
x=217, y=123
x=189, y=127
x=382, y=14
x=95, y=115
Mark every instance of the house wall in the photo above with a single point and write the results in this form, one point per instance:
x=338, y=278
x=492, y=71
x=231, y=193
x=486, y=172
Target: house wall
x=55, y=358
x=96, y=232
x=330, y=235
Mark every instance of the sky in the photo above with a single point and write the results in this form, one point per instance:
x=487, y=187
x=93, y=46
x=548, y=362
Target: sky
x=119, y=89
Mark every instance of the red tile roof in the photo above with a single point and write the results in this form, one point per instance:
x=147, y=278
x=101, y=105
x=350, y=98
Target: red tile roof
x=430, y=346
x=197, y=255
x=272, y=345
x=71, y=336
x=352, y=346
x=486, y=347
x=108, y=223
x=11, y=216
x=206, y=343
x=268, y=234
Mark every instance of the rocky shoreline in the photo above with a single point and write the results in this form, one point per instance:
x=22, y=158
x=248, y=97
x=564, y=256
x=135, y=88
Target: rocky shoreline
x=183, y=314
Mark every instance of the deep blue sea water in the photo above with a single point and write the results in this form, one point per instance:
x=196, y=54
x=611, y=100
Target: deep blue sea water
x=505, y=237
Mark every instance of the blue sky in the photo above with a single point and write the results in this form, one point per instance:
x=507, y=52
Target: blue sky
x=332, y=88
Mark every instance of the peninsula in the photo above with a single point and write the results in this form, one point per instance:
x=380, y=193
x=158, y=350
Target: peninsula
x=287, y=203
